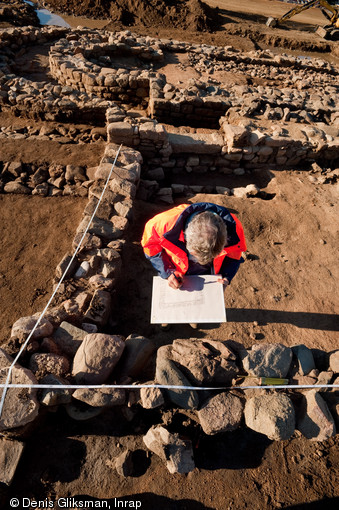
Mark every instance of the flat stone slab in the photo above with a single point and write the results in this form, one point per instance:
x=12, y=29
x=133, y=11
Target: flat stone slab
x=168, y=373
x=196, y=143
x=69, y=337
x=10, y=455
x=105, y=397
x=315, y=420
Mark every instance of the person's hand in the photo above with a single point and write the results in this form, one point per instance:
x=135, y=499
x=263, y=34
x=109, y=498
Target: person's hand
x=175, y=280
x=224, y=281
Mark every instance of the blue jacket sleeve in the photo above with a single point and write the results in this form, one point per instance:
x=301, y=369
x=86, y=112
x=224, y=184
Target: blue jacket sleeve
x=162, y=264
x=230, y=268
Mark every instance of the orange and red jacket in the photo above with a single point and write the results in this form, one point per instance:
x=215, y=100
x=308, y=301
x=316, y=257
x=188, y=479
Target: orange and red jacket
x=164, y=243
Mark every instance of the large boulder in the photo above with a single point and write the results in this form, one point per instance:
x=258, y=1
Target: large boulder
x=334, y=361
x=97, y=357
x=167, y=373
x=22, y=328
x=221, y=413
x=272, y=415
x=176, y=452
x=137, y=352
x=268, y=360
x=305, y=359
x=204, y=361
x=315, y=421
x=21, y=405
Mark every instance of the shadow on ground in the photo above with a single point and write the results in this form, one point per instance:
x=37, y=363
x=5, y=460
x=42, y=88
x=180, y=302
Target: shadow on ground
x=323, y=321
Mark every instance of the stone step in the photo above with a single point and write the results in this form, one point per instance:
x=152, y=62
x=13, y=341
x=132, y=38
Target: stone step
x=198, y=143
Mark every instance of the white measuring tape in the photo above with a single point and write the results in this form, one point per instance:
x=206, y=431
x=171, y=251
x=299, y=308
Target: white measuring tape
x=164, y=386
x=6, y=385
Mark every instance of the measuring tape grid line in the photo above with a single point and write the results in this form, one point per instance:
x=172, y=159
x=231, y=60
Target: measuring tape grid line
x=163, y=386
x=57, y=287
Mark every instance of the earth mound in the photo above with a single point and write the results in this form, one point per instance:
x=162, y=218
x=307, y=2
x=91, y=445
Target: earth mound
x=184, y=14
x=17, y=14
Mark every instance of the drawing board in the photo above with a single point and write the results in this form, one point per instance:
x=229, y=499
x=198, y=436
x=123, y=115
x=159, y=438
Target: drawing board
x=199, y=300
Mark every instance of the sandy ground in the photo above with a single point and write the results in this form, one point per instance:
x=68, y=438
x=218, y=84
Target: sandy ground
x=284, y=292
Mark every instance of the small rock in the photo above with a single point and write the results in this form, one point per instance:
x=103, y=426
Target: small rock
x=151, y=398
x=83, y=270
x=305, y=358
x=16, y=188
x=124, y=463
x=204, y=362
x=103, y=397
x=89, y=328
x=42, y=364
x=75, y=174
x=99, y=308
x=48, y=345
x=177, y=453
x=51, y=396
x=98, y=281
x=82, y=413
x=334, y=361
x=63, y=265
x=325, y=378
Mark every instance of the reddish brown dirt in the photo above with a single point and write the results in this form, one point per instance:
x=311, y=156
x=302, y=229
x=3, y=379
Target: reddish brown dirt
x=35, y=232
x=284, y=292
x=181, y=14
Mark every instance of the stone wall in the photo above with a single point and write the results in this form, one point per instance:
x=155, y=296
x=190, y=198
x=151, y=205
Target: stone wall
x=85, y=62
x=235, y=148
x=86, y=65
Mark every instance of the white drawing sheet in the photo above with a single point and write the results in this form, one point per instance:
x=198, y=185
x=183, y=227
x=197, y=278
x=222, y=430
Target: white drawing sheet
x=200, y=300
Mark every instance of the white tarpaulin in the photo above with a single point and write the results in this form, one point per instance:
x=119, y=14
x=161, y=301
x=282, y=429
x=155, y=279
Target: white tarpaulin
x=200, y=299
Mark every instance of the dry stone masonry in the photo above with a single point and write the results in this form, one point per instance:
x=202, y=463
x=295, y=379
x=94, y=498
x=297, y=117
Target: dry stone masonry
x=253, y=127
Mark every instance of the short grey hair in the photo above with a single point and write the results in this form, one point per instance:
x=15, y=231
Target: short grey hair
x=206, y=236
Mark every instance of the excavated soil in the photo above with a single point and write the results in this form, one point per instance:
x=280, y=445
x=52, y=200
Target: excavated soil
x=285, y=292
x=181, y=14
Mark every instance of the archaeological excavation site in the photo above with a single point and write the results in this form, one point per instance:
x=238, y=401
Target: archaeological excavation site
x=119, y=112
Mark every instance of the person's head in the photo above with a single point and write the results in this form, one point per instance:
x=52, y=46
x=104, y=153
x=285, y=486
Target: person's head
x=205, y=236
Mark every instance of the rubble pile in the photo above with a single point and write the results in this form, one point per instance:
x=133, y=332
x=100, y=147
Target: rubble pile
x=60, y=353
